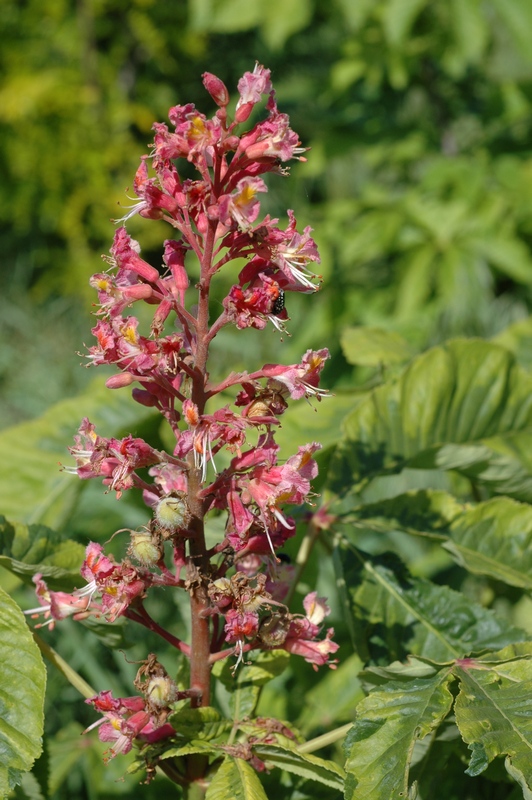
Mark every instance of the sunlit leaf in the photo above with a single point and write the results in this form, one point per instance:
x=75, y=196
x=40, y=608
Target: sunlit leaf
x=494, y=715
x=303, y=764
x=236, y=779
x=374, y=346
x=199, y=723
x=440, y=414
x=495, y=539
x=34, y=489
x=26, y=550
x=391, y=613
x=245, y=685
x=21, y=696
x=388, y=723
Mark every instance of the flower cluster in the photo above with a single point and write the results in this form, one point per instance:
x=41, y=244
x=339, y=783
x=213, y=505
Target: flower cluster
x=236, y=587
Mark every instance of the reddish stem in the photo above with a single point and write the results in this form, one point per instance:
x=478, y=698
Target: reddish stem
x=199, y=564
x=141, y=616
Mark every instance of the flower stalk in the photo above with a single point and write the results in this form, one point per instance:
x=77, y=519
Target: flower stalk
x=237, y=589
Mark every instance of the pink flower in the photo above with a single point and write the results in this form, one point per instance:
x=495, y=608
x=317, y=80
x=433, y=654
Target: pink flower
x=125, y=252
x=301, y=380
x=316, y=652
x=113, y=459
x=316, y=608
x=251, y=86
x=59, y=605
x=302, y=634
x=124, y=720
x=252, y=307
x=242, y=206
x=241, y=625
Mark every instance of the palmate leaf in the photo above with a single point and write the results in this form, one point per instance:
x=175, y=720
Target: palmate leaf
x=33, y=487
x=493, y=538
x=246, y=685
x=237, y=780
x=302, y=764
x=22, y=685
x=494, y=711
x=374, y=346
x=391, y=614
x=388, y=723
x=331, y=700
x=27, y=549
x=199, y=723
x=446, y=411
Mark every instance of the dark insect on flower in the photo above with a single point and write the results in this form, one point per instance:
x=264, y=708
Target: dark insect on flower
x=278, y=306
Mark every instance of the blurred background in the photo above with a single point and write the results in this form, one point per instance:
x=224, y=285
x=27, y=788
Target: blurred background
x=418, y=183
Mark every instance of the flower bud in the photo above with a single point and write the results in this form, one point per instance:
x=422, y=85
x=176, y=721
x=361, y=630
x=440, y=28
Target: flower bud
x=120, y=380
x=216, y=88
x=144, y=398
x=172, y=513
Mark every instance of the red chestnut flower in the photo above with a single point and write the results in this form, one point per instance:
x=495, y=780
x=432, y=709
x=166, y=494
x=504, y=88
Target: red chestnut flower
x=221, y=462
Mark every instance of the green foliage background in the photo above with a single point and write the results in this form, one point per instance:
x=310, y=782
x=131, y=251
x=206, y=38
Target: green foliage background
x=419, y=181
x=419, y=188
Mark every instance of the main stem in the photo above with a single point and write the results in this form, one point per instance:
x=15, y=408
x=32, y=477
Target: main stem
x=200, y=669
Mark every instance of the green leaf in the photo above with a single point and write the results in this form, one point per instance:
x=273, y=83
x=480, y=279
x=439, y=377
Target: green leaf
x=302, y=764
x=234, y=15
x=199, y=723
x=398, y=18
x=492, y=538
x=495, y=539
x=440, y=414
x=33, y=488
x=388, y=723
x=374, y=346
x=332, y=699
x=494, y=714
x=193, y=747
x=282, y=18
x=470, y=31
x=510, y=256
x=392, y=614
x=421, y=513
x=29, y=788
x=25, y=550
x=517, y=15
x=21, y=696
x=518, y=339
x=246, y=684
x=235, y=779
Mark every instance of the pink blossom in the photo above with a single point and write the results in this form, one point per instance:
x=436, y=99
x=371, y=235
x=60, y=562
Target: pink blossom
x=316, y=652
x=251, y=86
x=301, y=380
x=240, y=625
x=302, y=634
x=316, y=608
x=251, y=307
x=271, y=139
x=124, y=720
x=97, y=566
x=242, y=206
x=58, y=605
x=113, y=459
x=125, y=252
